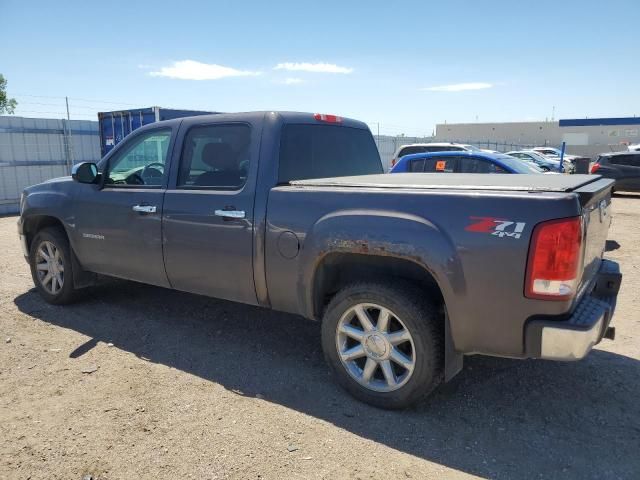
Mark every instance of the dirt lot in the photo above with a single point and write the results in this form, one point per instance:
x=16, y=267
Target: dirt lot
x=141, y=382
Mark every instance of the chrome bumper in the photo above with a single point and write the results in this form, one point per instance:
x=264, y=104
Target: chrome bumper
x=560, y=343
x=574, y=337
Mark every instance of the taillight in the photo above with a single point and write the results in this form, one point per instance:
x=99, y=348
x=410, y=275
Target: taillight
x=393, y=162
x=595, y=167
x=553, y=268
x=323, y=117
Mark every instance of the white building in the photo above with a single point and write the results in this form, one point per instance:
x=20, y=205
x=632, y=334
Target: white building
x=589, y=136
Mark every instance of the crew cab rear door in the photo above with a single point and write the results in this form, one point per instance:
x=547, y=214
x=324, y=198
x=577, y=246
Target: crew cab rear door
x=208, y=209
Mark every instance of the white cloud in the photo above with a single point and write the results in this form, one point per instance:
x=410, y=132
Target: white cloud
x=292, y=81
x=312, y=67
x=192, y=70
x=459, y=87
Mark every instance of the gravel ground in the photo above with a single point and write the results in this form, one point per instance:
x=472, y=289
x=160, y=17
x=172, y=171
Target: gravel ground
x=142, y=382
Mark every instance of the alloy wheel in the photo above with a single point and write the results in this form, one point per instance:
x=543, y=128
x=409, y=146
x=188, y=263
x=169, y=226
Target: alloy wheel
x=375, y=347
x=50, y=267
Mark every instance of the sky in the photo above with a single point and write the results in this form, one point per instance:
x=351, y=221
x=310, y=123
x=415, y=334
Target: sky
x=402, y=67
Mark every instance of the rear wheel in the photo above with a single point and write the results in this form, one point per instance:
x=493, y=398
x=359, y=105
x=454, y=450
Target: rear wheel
x=383, y=343
x=51, y=268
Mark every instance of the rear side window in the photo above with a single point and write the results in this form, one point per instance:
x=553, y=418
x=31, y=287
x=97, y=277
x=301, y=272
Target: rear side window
x=321, y=151
x=410, y=151
x=215, y=156
x=426, y=148
x=440, y=164
x=444, y=149
x=477, y=165
x=626, y=160
x=416, y=165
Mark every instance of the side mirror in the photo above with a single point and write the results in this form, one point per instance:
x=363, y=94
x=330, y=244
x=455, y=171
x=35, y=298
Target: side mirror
x=85, y=172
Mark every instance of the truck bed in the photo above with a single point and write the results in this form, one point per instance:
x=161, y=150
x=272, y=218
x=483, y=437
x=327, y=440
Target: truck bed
x=460, y=181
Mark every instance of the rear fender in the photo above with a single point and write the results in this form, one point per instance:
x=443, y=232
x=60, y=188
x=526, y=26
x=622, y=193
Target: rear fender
x=385, y=234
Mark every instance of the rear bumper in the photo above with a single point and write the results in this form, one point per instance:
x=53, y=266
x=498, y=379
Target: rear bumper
x=574, y=337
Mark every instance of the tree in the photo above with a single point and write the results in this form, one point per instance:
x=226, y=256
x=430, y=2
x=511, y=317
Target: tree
x=7, y=105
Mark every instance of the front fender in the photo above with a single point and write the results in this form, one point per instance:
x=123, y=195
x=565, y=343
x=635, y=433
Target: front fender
x=50, y=199
x=381, y=233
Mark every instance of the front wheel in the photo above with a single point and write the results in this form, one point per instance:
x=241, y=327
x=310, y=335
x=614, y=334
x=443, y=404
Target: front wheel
x=384, y=343
x=51, y=267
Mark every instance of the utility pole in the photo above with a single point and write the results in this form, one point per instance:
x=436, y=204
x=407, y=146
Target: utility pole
x=68, y=135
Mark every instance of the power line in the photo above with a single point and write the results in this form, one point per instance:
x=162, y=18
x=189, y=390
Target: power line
x=76, y=114
x=76, y=99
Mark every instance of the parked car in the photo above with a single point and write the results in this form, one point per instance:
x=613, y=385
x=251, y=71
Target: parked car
x=431, y=147
x=554, y=154
x=623, y=167
x=634, y=147
x=291, y=211
x=462, y=162
x=546, y=164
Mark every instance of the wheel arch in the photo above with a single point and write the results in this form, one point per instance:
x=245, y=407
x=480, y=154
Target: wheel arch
x=337, y=270
x=35, y=223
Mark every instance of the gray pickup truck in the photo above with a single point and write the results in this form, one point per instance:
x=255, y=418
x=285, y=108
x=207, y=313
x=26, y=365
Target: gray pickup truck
x=407, y=273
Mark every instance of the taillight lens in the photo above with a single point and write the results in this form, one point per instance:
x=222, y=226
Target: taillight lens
x=595, y=167
x=393, y=162
x=553, y=268
x=323, y=117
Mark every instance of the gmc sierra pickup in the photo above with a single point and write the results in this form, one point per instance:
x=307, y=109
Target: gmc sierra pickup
x=407, y=273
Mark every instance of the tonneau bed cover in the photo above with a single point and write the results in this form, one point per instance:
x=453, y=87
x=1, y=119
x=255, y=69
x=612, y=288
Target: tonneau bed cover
x=462, y=181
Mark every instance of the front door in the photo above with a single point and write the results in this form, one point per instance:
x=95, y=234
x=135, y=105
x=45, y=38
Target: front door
x=208, y=215
x=119, y=227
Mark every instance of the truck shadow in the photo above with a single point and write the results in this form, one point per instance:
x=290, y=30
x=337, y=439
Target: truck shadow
x=498, y=419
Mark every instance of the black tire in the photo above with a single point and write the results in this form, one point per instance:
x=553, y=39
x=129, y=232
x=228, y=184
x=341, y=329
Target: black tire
x=421, y=317
x=56, y=236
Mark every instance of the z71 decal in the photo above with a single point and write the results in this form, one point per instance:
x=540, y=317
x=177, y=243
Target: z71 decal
x=496, y=226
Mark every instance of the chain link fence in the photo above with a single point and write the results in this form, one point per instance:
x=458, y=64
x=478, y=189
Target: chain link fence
x=33, y=150
x=388, y=145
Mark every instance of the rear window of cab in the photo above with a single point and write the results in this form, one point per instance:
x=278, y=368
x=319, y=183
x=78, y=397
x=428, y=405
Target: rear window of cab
x=323, y=151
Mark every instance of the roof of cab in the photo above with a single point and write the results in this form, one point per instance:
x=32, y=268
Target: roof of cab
x=284, y=116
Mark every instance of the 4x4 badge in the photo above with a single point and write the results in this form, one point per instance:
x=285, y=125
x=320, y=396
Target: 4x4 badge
x=496, y=226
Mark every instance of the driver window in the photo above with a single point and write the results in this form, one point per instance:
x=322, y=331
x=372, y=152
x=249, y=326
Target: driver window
x=142, y=163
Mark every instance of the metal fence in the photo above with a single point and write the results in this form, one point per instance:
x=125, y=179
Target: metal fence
x=388, y=145
x=502, y=147
x=33, y=150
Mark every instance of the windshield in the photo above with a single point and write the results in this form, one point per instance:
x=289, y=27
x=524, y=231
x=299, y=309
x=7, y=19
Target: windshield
x=519, y=166
x=542, y=158
x=472, y=148
x=549, y=151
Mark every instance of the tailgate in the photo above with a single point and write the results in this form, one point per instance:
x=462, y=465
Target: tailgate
x=595, y=199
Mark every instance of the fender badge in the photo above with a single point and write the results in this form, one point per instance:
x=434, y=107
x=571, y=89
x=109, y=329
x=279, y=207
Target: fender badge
x=496, y=226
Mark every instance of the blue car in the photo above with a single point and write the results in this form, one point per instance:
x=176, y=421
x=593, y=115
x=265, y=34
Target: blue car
x=462, y=162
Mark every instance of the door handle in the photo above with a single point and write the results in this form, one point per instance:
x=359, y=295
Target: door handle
x=230, y=213
x=144, y=208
